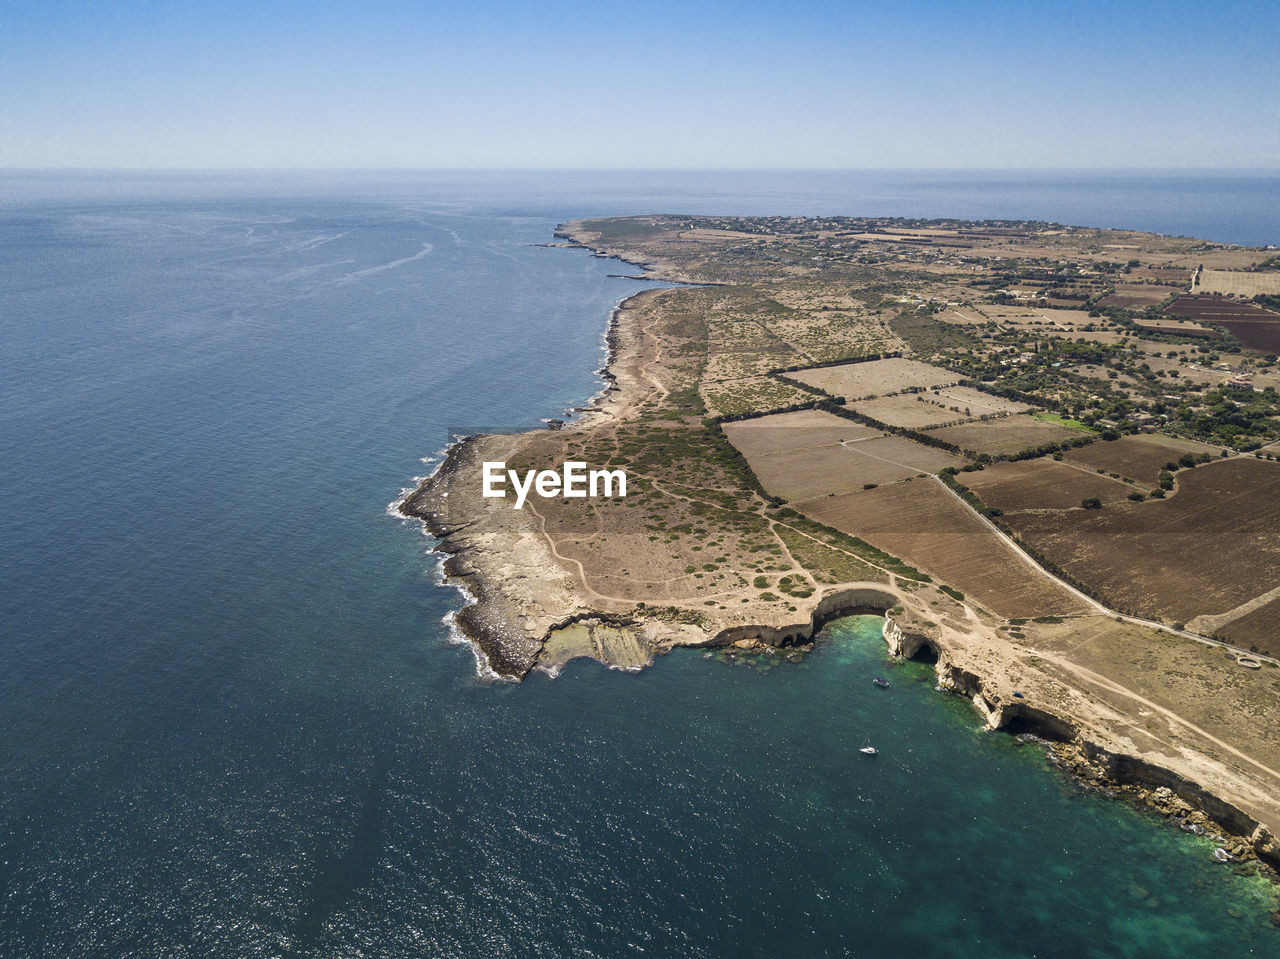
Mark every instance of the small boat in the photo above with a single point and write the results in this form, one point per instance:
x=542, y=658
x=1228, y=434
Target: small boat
x=882, y=683
x=869, y=750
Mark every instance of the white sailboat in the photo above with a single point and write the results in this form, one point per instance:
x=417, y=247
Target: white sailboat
x=869, y=750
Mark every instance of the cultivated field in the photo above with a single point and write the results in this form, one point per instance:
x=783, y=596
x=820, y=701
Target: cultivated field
x=1172, y=277
x=1260, y=629
x=836, y=461
x=1042, y=484
x=1168, y=324
x=922, y=523
x=936, y=407
x=1140, y=457
x=1004, y=436
x=969, y=401
x=874, y=378
x=822, y=471
x=911, y=410
x=969, y=316
x=1255, y=327
x=793, y=431
x=915, y=456
x=1136, y=296
x=1238, y=283
x=1207, y=549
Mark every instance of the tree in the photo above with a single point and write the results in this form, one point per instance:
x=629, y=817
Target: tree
x=1091, y=502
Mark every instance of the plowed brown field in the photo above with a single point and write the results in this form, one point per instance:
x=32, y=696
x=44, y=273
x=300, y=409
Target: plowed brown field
x=1255, y=327
x=1261, y=628
x=1209, y=548
x=1140, y=457
x=922, y=523
x=1042, y=484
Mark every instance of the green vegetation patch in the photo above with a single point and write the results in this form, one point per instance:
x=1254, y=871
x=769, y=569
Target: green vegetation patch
x=1057, y=419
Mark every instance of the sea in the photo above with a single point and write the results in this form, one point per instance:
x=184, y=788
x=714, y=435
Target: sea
x=234, y=719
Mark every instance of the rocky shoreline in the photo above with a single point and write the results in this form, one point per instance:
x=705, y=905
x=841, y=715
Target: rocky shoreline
x=1242, y=842
x=489, y=620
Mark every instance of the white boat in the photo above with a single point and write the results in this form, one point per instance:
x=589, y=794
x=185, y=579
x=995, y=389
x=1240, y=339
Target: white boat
x=869, y=750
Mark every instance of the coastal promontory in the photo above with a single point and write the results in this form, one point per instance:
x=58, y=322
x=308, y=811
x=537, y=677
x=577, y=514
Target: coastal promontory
x=1047, y=454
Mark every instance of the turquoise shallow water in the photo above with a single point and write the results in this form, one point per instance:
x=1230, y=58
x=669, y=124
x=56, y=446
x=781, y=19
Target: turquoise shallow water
x=234, y=723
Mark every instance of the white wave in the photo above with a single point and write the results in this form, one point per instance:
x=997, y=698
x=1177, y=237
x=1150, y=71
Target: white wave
x=370, y=271
x=435, y=461
x=456, y=637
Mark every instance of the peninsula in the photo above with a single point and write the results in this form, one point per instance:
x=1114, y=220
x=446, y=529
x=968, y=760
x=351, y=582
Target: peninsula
x=1047, y=454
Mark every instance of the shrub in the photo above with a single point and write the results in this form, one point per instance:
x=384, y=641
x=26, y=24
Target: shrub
x=1091, y=502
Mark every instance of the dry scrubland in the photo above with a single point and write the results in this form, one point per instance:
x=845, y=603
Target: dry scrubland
x=1181, y=698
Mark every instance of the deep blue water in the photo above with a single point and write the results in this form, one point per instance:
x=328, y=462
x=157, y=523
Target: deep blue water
x=234, y=724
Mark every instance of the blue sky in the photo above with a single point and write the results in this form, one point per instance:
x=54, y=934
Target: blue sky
x=831, y=85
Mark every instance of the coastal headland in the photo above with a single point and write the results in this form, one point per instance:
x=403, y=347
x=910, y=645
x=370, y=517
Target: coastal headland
x=1004, y=437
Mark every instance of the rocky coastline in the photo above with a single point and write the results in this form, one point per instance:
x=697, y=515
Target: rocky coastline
x=1242, y=840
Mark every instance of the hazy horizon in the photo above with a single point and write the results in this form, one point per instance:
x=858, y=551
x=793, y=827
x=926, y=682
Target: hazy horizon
x=496, y=85
x=191, y=170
